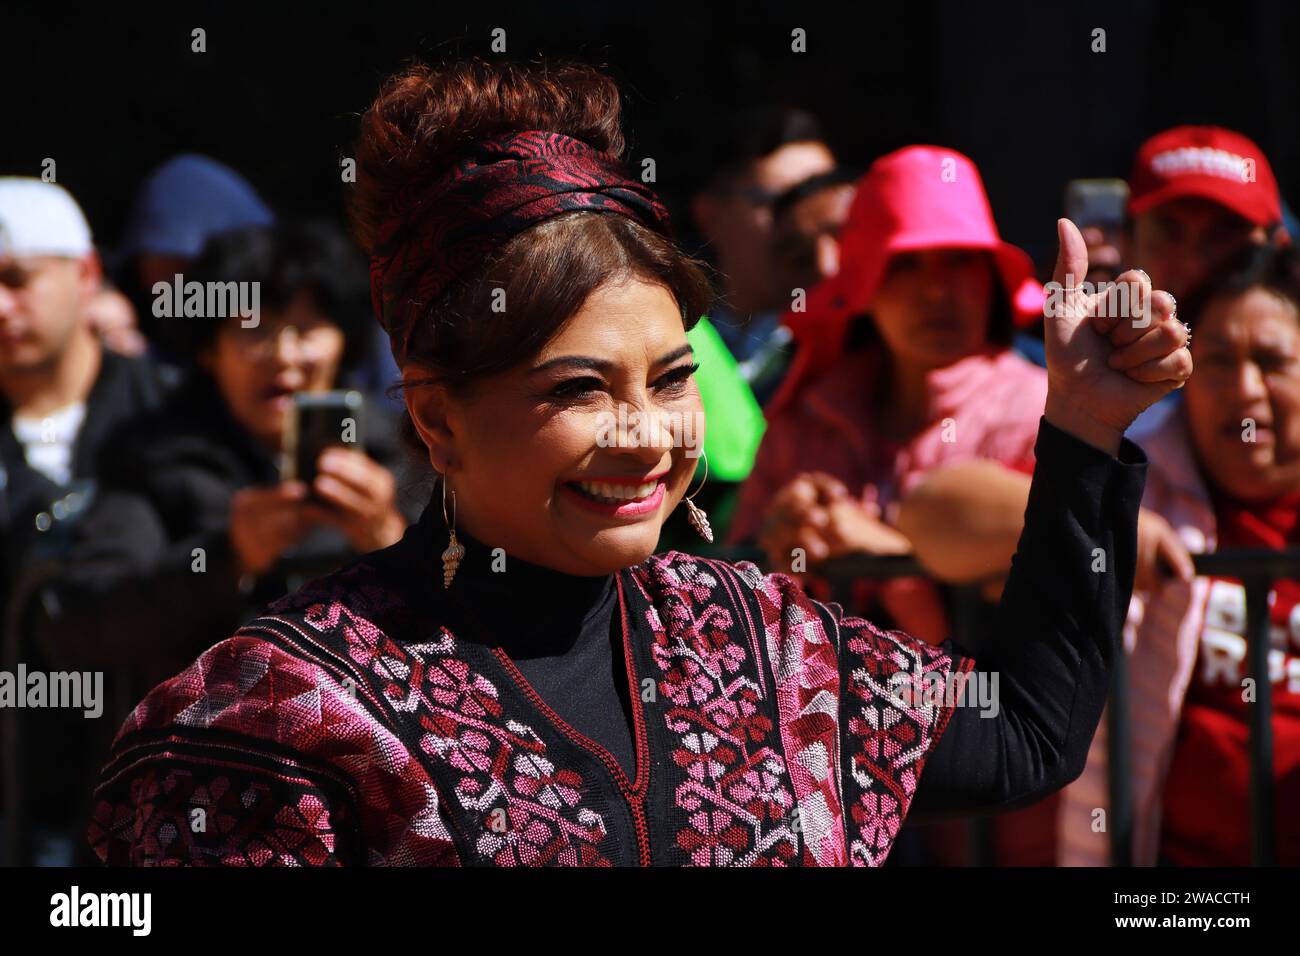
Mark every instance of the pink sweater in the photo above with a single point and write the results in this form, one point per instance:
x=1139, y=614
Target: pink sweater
x=983, y=406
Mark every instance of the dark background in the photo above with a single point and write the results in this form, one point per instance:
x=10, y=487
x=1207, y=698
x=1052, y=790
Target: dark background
x=110, y=93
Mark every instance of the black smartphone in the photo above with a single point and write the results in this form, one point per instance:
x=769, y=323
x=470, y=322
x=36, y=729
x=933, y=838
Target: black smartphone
x=316, y=421
x=1099, y=205
x=1096, y=202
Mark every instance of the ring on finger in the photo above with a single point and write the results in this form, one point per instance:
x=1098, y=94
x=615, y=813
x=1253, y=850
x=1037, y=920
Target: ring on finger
x=1187, y=342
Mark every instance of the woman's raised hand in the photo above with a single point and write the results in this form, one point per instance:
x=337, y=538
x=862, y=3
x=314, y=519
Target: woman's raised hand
x=1111, y=352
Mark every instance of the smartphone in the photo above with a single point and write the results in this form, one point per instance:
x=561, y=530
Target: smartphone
x=1098, y=206
x=316, y=421
x=1096, y=202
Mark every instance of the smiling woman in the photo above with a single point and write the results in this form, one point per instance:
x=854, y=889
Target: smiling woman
x=566, y=696
x=531, y=434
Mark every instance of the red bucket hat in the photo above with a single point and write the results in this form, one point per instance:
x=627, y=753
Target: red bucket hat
x=1208, y=162
x=919, y=197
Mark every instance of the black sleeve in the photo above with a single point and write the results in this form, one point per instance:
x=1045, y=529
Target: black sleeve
x=1057, y=630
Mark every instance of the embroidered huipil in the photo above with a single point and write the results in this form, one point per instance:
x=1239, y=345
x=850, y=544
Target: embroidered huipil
x=373, y=718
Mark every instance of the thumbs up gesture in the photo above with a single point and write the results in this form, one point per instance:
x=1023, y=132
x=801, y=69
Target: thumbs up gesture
x=1111, y=351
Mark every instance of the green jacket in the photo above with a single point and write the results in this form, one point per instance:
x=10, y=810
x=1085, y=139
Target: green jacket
x=734, y=421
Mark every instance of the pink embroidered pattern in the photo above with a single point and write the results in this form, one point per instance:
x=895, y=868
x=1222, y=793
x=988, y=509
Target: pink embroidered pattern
x=732, y=786
x=343, y=728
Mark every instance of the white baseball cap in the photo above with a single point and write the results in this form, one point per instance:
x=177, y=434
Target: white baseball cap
x=41, y=219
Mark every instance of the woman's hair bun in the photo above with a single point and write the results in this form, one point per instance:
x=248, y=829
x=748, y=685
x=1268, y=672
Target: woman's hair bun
x=424, y=115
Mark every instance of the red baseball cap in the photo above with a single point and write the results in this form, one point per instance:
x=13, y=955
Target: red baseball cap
x=1208, y=162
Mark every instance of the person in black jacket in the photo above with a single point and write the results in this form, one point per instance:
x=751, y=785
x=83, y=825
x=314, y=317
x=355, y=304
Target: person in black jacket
x=62, y=392
x=192, y=528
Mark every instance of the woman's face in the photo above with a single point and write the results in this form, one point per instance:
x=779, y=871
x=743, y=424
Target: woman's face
x=539, y=459
x=1244, y=400
x=257, y=369
x=932, y=307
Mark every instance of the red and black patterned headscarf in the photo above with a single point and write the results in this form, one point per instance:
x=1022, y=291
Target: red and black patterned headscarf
x=439, y=229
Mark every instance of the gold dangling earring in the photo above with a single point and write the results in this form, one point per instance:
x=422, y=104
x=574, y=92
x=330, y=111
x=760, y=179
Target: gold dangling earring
x=694, y=513
x=455, y=550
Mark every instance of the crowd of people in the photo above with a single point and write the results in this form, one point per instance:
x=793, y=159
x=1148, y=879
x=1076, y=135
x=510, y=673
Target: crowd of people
x=872, y=370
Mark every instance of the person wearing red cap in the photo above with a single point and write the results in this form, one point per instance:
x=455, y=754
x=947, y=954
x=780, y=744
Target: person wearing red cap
x=1197, y=195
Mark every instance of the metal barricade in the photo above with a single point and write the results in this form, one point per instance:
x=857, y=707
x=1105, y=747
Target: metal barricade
x=1257, y=569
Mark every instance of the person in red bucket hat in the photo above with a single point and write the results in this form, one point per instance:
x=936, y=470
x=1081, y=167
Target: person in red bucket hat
x=920, y=197
x=903, y=365
x=934, y=293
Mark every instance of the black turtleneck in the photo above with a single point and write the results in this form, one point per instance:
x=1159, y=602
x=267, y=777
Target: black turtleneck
x=563, y=632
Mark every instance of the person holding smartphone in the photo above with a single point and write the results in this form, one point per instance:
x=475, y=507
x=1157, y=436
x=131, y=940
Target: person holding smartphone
x=192, y=528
